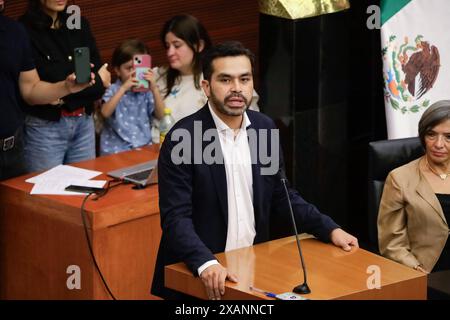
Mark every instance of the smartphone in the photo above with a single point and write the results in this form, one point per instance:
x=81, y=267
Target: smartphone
x=290, y=296
x=82, y=61
x=141, y=63
x=83, y=189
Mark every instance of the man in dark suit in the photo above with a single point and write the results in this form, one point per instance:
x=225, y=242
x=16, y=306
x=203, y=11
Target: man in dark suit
x=217, y=190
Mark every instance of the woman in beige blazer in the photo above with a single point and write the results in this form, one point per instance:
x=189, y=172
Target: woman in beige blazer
x=415, y=206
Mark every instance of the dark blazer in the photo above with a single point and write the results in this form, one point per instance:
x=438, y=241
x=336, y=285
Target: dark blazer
x=193, y=202
x=51, y=52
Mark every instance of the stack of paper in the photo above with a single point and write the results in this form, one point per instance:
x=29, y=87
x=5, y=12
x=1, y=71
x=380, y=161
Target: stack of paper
x=55, y=180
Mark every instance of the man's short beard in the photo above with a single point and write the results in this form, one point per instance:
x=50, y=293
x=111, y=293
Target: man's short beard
x=222, y=108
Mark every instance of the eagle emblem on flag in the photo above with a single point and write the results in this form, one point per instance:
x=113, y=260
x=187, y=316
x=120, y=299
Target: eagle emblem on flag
x=412, y=70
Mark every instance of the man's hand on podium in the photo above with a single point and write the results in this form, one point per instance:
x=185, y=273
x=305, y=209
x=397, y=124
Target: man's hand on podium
x=214, y=278
x=342, y=239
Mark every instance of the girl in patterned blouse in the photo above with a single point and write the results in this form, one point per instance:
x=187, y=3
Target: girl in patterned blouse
x=128, y=114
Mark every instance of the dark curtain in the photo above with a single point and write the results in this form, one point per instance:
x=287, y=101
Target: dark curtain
x=321, y=80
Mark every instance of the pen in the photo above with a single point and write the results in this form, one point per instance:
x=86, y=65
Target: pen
x=266, y=293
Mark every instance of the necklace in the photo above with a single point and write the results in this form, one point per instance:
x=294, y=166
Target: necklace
x=443, y=176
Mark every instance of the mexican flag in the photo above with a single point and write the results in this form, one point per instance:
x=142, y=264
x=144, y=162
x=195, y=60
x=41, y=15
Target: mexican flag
x=415, y=42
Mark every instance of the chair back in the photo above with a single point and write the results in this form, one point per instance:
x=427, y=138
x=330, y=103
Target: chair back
x=385, y=156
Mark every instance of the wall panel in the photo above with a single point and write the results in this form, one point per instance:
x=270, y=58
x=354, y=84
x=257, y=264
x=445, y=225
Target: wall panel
x=114, y=21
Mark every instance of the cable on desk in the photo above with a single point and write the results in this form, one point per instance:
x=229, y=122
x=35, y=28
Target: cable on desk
x=109, y=186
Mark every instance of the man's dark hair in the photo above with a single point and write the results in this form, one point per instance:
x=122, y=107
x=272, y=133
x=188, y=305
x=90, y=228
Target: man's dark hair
x=225, y=49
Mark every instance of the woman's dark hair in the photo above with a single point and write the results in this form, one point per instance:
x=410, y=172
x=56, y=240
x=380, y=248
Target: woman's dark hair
x=36, y=18
x=225, y=49
x=437, y=113
x=191, y=31
x=126, y=50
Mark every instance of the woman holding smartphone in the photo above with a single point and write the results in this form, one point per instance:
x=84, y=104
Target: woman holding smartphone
x=61, y=132
x=185, y=40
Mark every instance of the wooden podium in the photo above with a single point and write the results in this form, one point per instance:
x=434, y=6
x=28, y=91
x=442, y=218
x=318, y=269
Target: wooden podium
x=42, y=236
x=332, y=273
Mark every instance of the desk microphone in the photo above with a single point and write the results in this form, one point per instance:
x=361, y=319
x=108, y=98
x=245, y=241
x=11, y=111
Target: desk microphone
x=301, y=288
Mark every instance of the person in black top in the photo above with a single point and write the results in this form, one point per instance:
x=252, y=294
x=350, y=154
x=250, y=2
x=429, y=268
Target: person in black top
x=413, y=219
x=414, y=214
x=62, y=131
x=20, y=80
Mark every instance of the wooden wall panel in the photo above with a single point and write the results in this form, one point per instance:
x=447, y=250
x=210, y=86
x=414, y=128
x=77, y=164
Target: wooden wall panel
x=114, y=21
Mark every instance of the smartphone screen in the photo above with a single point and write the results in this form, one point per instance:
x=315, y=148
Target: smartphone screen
x=141, y=64
x=82, y=65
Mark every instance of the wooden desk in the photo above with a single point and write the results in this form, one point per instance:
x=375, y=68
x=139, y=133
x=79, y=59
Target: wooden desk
x=41, y=236
x=332, y=273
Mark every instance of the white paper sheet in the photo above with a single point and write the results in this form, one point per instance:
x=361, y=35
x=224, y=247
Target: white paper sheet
x=64, y=172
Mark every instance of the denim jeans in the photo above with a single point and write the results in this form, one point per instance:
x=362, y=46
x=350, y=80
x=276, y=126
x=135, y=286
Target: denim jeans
x=51, y=143
x=11, y=161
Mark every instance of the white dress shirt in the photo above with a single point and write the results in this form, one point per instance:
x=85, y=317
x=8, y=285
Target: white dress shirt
x=238, y=168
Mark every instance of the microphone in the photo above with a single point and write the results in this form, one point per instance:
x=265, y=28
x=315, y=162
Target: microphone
x=301, y=288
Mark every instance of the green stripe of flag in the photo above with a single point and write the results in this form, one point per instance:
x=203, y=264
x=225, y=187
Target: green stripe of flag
x=390, y=7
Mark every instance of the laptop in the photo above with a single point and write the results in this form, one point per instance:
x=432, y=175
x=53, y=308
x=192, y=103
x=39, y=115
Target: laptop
x=142, y=174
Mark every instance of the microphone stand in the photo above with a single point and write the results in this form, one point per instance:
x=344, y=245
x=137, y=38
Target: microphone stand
x=301, y=288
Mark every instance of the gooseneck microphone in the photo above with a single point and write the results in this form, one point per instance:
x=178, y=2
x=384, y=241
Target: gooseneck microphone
x=301, y=288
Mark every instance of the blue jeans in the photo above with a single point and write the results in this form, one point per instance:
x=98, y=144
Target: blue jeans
x=51, y=143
